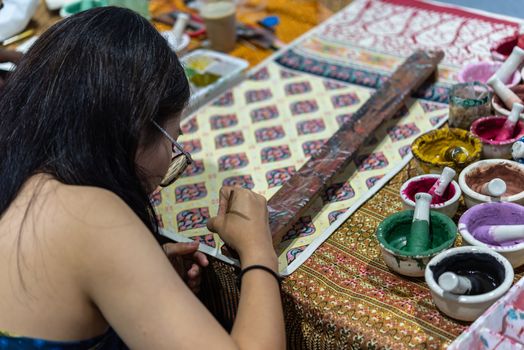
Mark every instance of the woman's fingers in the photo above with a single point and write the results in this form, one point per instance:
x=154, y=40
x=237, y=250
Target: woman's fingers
x=184, y=248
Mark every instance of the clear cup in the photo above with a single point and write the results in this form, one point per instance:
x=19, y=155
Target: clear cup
x=220, y=20
x=467, y=103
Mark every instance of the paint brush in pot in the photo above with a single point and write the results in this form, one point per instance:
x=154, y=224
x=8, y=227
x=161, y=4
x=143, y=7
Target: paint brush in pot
x=179, y=27
x=506, y=95
x=499, y=234
x=494, y=188
x=510, y=65
x=419, y=240
x=508, y=129
x=442, y=183
x=465, y=285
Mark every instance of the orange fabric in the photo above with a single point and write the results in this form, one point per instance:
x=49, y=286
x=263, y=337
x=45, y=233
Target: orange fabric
x=296, y=17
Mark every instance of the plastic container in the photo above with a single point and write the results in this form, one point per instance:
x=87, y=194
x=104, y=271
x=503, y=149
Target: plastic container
x=210, y=74
x=468, y=102
x=500, y=327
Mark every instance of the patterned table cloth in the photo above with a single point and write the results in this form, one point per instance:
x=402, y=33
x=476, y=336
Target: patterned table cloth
x=260, y=132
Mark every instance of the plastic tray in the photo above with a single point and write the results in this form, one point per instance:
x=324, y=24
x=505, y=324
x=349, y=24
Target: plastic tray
x=500, y=327
x=230, y=71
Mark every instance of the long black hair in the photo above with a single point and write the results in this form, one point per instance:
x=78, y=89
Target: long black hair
x=82, y=98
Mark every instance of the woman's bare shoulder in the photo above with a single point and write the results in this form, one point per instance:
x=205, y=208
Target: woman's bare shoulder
x=92, y=204
x=80, y=212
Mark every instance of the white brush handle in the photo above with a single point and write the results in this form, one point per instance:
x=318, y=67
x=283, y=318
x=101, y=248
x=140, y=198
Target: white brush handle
x=422, y=202
x=495, y=188
x=453, y=283
x=506, y=95
x=515, y=113
x=180, y=26
x=505, y=233
x=443, y=181
x=510, y=65
x=517, y=150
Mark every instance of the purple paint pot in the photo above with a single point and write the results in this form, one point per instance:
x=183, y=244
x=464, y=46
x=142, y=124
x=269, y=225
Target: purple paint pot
x=487, y=128
x=423, y=183
x=474, y=220
x=482, y=71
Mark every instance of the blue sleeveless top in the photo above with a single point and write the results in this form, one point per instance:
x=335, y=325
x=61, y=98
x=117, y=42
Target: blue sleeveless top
x=106, y=341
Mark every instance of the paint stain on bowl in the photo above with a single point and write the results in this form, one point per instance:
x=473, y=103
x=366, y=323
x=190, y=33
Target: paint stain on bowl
x=424, y=185
x=511, y=174
x=487, y=129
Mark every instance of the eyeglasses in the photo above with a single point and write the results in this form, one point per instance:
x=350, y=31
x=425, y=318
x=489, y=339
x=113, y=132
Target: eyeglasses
x=181, y=159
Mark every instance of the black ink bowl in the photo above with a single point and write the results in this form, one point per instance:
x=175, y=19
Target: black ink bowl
x=464, y=260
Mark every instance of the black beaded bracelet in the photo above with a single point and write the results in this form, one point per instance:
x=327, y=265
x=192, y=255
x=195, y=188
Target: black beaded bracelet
x=260, y=267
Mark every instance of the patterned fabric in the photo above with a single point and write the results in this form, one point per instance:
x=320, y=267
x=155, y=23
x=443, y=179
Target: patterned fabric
x=344, y=296
x=268, y=126
x=108, y=341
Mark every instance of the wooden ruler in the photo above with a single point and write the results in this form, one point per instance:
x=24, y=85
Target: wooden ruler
x=296, y=195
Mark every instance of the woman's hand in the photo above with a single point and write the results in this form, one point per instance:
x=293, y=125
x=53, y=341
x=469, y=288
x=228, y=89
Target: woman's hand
x=188, y=262
x=8, y=56
x=242, y=222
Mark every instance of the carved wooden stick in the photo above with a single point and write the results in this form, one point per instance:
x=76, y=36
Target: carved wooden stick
x=297, y=194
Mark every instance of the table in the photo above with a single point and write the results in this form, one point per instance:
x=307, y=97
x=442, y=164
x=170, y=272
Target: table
x=296, y=17
x=343, y=296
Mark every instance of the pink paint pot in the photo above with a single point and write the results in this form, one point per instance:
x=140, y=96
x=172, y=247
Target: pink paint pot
x=501, y=50
x=423, y=183
x=499, y=106
x=487, y=128
x=482, y=71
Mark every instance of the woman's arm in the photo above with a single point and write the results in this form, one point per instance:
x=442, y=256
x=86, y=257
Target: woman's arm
x=242, y=221
x=125, y=273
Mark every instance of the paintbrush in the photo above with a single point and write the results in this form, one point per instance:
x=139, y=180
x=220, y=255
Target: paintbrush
x=228, y=250
x=18, y=37
x=229, y=202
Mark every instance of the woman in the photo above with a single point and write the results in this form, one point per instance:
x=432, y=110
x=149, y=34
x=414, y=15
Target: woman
x=88, y=123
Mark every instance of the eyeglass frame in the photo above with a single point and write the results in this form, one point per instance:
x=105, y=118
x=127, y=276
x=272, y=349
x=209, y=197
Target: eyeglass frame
x=174, y=144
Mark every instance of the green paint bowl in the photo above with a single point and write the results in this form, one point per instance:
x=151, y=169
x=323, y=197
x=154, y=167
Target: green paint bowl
x=392, y=235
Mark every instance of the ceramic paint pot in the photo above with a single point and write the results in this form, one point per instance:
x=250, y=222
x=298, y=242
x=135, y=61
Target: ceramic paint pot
x=482, y=71
x=487, y=128
x=517, y=151
x=476, y=174
x=435, y=150
x=392, y=236
x=499, y=106
x=462, y=260
x=423, y=183
x=494, y=214
x=501, y=49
